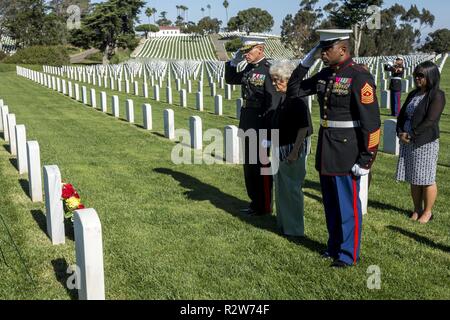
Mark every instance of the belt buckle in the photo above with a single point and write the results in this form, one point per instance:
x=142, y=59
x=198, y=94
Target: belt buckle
x=325, y=123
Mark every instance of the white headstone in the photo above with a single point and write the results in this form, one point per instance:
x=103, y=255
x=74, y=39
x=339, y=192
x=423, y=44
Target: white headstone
x=169, y=124
x=189, y=86
x=70, y=89
x=178, y=84
x=115, y=106
x=156, y=92
x=34, y=171
x=390, y=140
x=3, y=125
x=64, y=87
x=136, y=88
x=103, y=101
x=231, y=143
x=169, y=95
x=21, y=149
x=145, y=89
x=405, y=85
x=53, y=205
x=93, y=99
x=130, y=111
x=310, y=102
x=11, y=120
x=147, y=113
x=218, y=103
x=127, y=86
x=213, y=89
x=183, y=98
x=199, y=101
x=84, y=95
x=195, y=125
x=239, y=104
x=77, y=92
x=89, y=254
x=200, y=86
x=386, y=99
x=228, y=92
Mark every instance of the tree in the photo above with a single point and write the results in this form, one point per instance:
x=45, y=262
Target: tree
x=163, y=21
x=208, y=25
x=298, y=33
x=438, y=41
x=32, y=22
x=203, y=12
x=353, y=14
x=209, y=9
x=146, y=28
x=148, y=13
x=111, y=25
x=252, y=20
x=154, y=11
x=226, y=4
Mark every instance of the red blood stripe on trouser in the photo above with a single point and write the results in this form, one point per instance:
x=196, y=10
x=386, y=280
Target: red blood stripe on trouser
x=355, y=213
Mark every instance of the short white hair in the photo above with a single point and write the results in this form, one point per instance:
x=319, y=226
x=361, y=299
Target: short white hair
x=282, y=69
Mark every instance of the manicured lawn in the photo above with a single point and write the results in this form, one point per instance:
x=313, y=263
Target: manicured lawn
x=174, y=231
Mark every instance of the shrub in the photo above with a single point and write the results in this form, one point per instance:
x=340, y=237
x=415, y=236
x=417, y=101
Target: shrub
x=233, y=45
x=2, y=55
x=40, y=55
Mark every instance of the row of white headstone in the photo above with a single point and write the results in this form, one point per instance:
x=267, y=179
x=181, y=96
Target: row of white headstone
x=231, y=143
x=60, y=85
x=87, y=227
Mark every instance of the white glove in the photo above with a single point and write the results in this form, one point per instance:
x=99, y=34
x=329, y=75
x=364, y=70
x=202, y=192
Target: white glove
x=359, y=172
x=238, y=57
x=308, y=60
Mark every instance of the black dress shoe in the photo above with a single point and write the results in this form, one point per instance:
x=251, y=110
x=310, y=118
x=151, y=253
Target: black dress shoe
x=248, y=212
x=327, y=255
x=340, y=264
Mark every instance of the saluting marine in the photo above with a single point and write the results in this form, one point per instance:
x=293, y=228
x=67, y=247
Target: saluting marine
x=260, y=100
x=348, y=139
x=397, y=70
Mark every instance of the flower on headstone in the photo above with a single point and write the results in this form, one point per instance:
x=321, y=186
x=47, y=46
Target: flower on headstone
x=71, y=200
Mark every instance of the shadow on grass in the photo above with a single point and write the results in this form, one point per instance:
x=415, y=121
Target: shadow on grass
x=60, y=268
x=25, y=186
x=159, y=134
x=200, y=191
x=388, y=207
x=13, y=162
x=420, y=239
x=41, y=220
x=6, y=147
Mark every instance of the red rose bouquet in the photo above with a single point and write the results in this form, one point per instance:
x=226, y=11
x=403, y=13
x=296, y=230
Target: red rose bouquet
x=71, y=200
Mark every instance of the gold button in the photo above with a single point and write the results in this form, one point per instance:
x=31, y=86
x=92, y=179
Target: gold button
x=325, y=116
x=334, y=74
x=326, y=98
x=345, y=140
x=325, y=108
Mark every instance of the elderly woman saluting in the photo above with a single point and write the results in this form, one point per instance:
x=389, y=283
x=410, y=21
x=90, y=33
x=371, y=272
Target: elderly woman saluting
x=293, y=120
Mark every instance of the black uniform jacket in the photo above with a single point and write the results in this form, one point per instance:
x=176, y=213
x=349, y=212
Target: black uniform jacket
x=260, y=97
x=346, y=92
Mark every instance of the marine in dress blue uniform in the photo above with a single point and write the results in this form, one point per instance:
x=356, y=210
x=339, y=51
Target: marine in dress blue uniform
x=347, y=146
x=260, y=101
x=397, y=73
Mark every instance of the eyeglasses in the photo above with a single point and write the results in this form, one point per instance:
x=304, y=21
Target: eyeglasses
x=419, y=75
x=279, y=80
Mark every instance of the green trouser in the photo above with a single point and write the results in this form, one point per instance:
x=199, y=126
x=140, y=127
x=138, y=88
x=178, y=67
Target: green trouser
x=289, y=196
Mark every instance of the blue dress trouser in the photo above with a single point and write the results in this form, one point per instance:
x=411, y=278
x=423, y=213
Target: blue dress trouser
x=343, y=215
x=396, y=103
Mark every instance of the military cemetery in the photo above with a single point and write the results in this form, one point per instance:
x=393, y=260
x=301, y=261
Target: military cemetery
x=121, y=171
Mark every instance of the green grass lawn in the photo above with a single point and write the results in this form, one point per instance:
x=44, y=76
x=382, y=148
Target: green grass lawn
x=174, y=232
